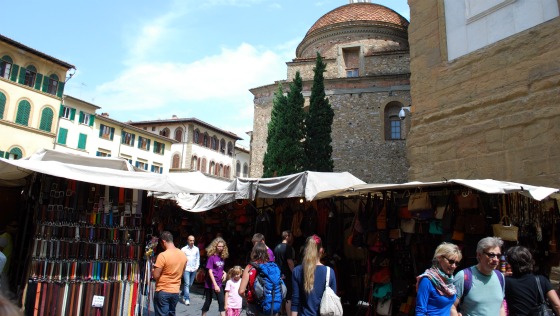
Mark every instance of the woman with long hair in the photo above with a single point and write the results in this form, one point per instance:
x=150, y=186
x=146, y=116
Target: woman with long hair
x=436, y=292
x=309, y=279
x=259, y=255
x=522, y=291
x=217, y=252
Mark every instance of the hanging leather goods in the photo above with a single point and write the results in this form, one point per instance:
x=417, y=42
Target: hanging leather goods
x=467, y=200
x=505, y=230
x=382, y=216
x=419, y=201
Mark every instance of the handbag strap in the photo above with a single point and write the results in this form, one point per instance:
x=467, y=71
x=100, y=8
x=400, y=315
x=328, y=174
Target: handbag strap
x=540, y=289
x=327, y=278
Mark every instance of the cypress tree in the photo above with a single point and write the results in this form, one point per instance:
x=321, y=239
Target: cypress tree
x=318, y=124
x=271, y=162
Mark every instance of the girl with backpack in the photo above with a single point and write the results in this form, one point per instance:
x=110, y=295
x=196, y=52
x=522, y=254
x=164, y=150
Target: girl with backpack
x=217, y=252
x=259, y=255
x=309, y=280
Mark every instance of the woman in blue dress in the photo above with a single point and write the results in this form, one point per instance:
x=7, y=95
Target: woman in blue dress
x=436, y=292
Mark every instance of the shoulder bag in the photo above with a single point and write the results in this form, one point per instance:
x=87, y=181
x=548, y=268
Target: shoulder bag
x=544, y=309
x=330, y=302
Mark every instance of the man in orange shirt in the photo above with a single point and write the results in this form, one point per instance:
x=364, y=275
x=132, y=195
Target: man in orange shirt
x=168, y=271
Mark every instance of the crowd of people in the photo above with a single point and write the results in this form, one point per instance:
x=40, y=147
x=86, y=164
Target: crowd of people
x=480, y=289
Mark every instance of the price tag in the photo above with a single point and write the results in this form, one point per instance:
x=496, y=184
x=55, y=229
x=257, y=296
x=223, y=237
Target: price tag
x=97, y=301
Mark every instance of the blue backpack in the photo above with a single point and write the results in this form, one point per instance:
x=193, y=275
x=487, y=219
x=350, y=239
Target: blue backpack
x=269, y=287
x=467, y=283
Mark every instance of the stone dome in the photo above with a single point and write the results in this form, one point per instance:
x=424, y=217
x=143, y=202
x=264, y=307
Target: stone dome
x=362, y=11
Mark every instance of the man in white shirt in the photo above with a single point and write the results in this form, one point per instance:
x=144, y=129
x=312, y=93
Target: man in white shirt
x=193, y=261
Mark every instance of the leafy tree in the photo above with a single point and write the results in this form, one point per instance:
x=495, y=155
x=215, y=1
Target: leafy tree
x=318, y=124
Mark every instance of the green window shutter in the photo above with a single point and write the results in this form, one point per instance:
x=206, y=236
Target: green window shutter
x=153, y=168
x=81, y=116
x=38, y=81
x=132, y=140
x=101, y=130
x=145, y=166
x=148, y=144
x=162, y=149
x=112, y=133
x=161, y=170
x=61, y=111
x=122, y=137
x=45, y=83
x=60, y=89
x=22, y=116
x=21, y=78
x=72, y=114
x=137, y=164
x=139, y=142
x=14, y=74
x=1, y=154
x=62, y=133
x=2, y=105
x=82, y=141
x=46, y=120
x=16, y=152
x=91, y=119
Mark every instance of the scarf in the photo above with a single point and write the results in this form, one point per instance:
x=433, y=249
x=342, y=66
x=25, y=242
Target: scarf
x=441, y=281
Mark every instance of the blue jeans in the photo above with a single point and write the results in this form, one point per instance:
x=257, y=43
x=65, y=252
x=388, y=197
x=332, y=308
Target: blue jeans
x=165, y=303
x=188, y=279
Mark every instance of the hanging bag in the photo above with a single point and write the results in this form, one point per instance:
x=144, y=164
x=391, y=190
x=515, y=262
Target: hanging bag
x=505, y=230
x=382, y=216
x=544, y=308
x=330, y=302
x=419, y=201
x=384, y=307
x=467, y=200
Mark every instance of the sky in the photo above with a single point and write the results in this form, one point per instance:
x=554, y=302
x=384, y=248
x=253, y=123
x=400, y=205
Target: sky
x=147, y=60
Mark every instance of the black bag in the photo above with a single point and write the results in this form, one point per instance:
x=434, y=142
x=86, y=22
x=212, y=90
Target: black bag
x=544, y=309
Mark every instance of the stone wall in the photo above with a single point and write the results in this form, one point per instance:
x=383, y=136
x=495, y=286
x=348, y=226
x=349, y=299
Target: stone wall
x=493, y=113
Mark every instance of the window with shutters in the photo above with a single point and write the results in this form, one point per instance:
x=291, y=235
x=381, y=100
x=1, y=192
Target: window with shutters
x=23, y=112
x=128, y=138
x=62, y=134
x=237, y=168
x=100, y=153
x=205, y=139
x=214, y=143
x=176, y=160
x=179, y=134
x=203, y=165
x=157, y=169
x=15, y=153
x=82, y=141
x=195, y=163
x=143, y=143
x=30, y=76
x=159, y=148
x=65, y=112
x=142, y=165
x=6, y=67
x=165, y=132
x=245, y=170
x=223, y=146
x=106, y=132
x=46, y=120
x=86, y=118
x=196, y=136
x=2, y=104
x=230, y=149
x=51, y=84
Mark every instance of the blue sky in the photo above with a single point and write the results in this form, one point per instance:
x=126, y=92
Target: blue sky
x=145, y=60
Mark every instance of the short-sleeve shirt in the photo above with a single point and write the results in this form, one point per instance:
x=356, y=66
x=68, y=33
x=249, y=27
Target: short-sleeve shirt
x=270, y=254
x=522, y=293
x=284, y=252
x=485, y=296
x=216, y=264
x=172, y=263
x=234, y=299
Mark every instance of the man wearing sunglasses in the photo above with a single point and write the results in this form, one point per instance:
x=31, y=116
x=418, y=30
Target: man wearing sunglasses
x=480, y=290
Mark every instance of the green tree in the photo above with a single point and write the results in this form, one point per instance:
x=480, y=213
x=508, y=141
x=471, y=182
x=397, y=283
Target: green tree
x=284, y=153
x=318, y=124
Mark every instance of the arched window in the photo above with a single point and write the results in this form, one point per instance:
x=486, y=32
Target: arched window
x=213, y=144
x=24, y=109
x=237, y=168
x=175, y=163
x=2, y=104
x=230, y=149
x=50, y=84
x=15, y=153
x=205, y=139
x=226, y=172
x=30, y=76
x=223, y=146
x=6, y=67
x=194, y=163
x=179, y=134
x=46, y=120
x=212, y=168
x=203, y=165
x=245, y=170
x=195, y=136
x=220, y=170
x=164, y=132
x=393, y=124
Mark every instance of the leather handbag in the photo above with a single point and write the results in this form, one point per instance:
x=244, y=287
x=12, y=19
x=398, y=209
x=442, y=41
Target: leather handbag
x=467, y=200
x=419, y=201
x=544, y=308
x=408, y=225
x=505, y=230
x=382, y=291
x=384, y=307
x=435, y=227
x=458, y=235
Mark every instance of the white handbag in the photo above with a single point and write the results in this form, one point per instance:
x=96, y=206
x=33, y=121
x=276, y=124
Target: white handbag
x=330, y=302
x=384, y=307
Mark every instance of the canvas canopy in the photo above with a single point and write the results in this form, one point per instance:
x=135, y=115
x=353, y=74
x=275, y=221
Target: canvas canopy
x=99, y=170
x=488, y=186
x=309, y=185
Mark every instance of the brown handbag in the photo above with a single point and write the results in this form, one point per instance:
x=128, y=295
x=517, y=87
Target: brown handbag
x=419, y=201
x=467, y=201
x=382, y=217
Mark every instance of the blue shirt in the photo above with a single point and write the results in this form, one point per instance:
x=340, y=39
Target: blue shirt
x=485, y=296
x=308, y=304
x=430, y=302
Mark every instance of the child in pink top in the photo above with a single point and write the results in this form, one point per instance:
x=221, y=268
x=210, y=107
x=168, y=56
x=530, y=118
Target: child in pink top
x=233, y=301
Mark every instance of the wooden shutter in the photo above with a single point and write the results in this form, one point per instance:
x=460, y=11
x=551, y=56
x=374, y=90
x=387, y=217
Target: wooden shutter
x=38, y=80
x=148, y=144
x=46, y=120
x=1, y=154
x=61, y=111
x=72, y=114
x=91, y=119
x=81, y=117
x=2, y=105
x=60, y=89
x=162, y=149
x=112, y=133
x=62, y=133
x=132, y=140
x=45, y=83
x=21, y=78
x=14, y=74
x=82, y=141
x=101, y=130
x=153, y=168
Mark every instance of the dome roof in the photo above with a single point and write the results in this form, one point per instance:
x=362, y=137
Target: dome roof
x=361, y=11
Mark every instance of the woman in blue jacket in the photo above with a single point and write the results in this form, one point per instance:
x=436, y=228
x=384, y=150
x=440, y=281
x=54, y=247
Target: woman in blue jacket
x=436, y=292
